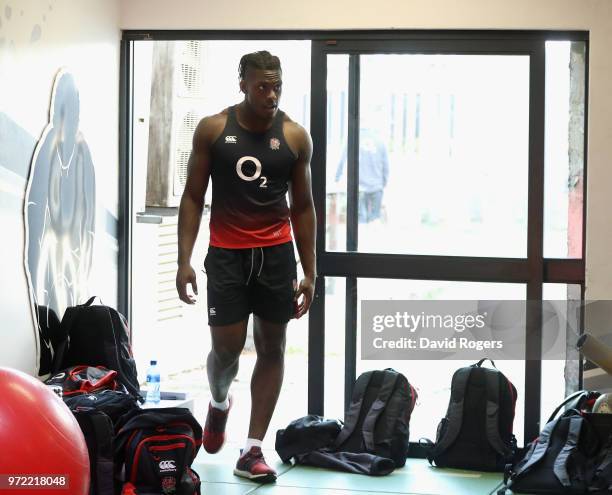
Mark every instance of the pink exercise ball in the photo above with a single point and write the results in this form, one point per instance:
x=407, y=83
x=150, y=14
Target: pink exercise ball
x=39, y=439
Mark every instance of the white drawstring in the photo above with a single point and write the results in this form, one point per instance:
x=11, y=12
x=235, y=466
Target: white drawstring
x=262, y=260
x=250, y=272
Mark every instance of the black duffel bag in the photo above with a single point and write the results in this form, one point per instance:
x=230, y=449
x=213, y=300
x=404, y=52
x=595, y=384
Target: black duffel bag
x=113, y=403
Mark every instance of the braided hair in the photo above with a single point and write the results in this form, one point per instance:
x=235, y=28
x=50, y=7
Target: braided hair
x=258, y=60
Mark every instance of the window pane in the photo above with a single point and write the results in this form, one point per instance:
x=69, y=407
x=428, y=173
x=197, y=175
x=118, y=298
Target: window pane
x=443, y=156
x=432, y=378
x=335, y=303
x=337, y=125
x=223, y=56
x=564, y=149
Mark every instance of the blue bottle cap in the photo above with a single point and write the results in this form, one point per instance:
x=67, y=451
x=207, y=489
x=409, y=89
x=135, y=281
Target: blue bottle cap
x=153, y=362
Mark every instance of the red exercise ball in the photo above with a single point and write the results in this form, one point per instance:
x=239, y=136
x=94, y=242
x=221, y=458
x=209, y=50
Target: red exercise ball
x=39, y=439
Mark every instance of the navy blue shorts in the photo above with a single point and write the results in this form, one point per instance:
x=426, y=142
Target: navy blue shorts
x=261, y=281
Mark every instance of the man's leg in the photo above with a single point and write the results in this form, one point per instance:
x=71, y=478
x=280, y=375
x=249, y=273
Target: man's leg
x=376, y=201
x=265, y=387
x=222, y=362
x=222, y=367
x=268, y=374
x=272, y=301
x=368, y=203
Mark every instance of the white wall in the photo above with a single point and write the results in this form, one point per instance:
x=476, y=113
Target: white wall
x=37, y=38
x=592, y=15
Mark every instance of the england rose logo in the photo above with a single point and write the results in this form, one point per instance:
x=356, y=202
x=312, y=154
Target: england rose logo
x=274, y=144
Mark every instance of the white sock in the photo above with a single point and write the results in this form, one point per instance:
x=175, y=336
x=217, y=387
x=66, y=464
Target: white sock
x=251, y=442
x=224, y=405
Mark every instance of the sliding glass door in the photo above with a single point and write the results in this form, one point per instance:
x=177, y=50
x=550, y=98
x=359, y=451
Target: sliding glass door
x=429, y=178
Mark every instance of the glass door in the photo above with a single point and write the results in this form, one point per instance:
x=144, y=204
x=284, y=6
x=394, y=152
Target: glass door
x=427, y=167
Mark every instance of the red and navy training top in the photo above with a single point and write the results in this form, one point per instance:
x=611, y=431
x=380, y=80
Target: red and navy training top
x=250, y=173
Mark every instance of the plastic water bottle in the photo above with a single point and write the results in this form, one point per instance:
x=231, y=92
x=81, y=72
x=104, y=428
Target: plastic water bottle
x=153, y=380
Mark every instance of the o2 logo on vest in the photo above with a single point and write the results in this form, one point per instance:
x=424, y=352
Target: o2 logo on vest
x=256, y=175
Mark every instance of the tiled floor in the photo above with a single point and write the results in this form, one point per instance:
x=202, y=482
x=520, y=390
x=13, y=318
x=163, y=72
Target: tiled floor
x=416, y=478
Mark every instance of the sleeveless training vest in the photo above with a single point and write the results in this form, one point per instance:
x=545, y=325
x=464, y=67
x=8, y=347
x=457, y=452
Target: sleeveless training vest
x=250, y=172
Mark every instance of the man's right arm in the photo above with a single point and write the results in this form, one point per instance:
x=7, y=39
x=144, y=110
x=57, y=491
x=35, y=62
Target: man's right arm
x=191, y=207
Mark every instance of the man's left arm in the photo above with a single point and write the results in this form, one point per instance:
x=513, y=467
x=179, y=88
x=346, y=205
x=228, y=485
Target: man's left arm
x=303, y=221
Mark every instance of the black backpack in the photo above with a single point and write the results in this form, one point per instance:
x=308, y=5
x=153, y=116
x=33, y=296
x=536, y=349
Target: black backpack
x=154, y=450
x=377, y=419
x=557, y=461
x=477, y=430
x=572, y=455
x=97, y=336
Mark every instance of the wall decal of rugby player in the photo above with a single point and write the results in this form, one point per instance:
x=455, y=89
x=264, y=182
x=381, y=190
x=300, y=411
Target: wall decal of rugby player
x=59, y=211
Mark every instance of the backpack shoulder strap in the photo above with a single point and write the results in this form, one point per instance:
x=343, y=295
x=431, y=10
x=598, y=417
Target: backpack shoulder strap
x=103, y=428
x=378, y=406
x=455, y=411
x=115, y=323
x=537, y=452
x=66, y=325
x=571, y=443
x=352, y=413
x=573, y=397
x=492, y=418
x=98, y=430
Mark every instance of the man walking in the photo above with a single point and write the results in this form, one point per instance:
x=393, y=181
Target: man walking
x=254, y=154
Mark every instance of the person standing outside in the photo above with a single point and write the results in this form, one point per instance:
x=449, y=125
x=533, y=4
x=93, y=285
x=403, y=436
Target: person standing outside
x=373, y=174
x=254, y=154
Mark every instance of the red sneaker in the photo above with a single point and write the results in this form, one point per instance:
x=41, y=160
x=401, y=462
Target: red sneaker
x=252, y=465
x=214, y=428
